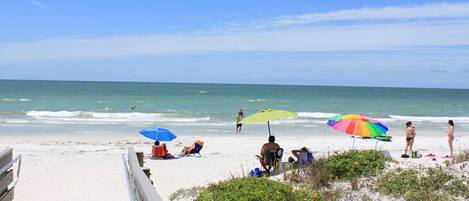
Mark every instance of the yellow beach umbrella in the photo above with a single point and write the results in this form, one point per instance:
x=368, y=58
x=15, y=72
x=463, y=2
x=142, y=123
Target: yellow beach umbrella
x=268, y=115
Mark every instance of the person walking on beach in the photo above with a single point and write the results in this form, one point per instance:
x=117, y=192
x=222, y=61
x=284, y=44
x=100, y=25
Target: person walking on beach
x=450, y=137
x=239, y=117
x=410, y=136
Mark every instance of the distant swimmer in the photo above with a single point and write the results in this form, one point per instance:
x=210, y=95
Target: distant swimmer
x=133, y=107
x=239, y=117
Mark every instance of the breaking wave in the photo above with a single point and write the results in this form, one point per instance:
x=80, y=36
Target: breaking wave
x=70, y=116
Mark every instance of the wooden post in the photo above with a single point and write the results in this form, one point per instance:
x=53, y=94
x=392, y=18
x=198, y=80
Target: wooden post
x=140, y=158
x=142, y=186
x=146, y=171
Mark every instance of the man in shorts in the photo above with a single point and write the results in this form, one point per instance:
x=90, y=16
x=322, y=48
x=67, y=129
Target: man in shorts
x=239, y=117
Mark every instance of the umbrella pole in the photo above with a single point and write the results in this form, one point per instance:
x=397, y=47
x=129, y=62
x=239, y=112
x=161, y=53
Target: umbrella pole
x=268, y=126
x=353, y=143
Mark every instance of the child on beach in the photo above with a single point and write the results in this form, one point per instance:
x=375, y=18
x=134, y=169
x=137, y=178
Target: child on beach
x=410, y=136
x=450, y=137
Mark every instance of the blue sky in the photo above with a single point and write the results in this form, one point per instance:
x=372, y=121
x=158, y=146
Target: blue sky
x=360, y=43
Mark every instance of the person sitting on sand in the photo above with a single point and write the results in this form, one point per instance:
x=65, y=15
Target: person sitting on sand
x=450, y=137
x=160, y=151
x=265, y=158
x=303, y=157
x=188, y=149
x=410, y=136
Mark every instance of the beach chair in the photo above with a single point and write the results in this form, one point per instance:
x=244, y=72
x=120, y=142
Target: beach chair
x=159, y=151
x=196, y=150
x=305, y=158
x=272, y=159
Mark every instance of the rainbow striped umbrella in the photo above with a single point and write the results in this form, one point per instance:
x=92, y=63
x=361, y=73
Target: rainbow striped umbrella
x=357, y=125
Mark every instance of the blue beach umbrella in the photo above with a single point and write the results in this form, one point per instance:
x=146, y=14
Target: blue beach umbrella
x=158, y=134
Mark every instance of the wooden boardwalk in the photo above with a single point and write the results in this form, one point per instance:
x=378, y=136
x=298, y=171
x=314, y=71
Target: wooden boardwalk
x=139, y=185
x=7, y=175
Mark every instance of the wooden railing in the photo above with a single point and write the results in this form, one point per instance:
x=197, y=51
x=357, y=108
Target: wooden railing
x=7, y=180
x=139, y=185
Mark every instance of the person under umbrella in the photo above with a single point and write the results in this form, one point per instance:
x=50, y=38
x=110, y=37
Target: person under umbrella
x=159, y=134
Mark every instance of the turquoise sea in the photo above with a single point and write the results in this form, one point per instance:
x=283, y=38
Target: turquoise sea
x=69, y=106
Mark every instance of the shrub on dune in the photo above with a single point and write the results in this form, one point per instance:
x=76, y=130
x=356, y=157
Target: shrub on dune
x=253, y=188
x=347, y=165
x=425, y=184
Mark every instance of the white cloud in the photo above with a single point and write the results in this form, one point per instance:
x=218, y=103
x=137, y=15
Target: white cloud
x=425, y=11
x=453, y=29
x=38, y=4
x=337, y=38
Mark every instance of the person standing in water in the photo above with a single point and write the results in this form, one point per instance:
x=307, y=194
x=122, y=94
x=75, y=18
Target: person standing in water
x=450, y=137
x=410, y=136
x=239, y=117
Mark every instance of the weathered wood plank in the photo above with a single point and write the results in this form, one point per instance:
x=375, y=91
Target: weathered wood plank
x=5, y=180
x=8, y=196
x=144, y=189
x=6, y=156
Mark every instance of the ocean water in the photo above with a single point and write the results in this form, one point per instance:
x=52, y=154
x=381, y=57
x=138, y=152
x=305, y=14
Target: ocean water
x=198, y=109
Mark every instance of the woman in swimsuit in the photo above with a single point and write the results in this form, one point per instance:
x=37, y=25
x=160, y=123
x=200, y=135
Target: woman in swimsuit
x=410, y=136
x=450, y=136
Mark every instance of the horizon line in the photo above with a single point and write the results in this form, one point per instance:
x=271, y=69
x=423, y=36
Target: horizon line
x=232, y=83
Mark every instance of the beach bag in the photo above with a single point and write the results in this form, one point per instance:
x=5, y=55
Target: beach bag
x=256, y=172
x=415, y=154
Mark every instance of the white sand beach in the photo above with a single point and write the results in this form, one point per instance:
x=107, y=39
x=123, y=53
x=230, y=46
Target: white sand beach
x=89, y=166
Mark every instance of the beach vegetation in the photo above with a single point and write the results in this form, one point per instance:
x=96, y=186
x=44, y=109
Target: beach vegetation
x=356, y=163
x=339, y=166
x=254, y=188
x=185, y=193
x=422, y=184
x=461, y=157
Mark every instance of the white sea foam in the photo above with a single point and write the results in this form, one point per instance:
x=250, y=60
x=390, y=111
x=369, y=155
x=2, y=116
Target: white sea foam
x=13, y=121
x=80, y=116
x=429, y=118
x=16, y=121
x=53, y=114
x=316, y=115
x=16, y=99
x=304, y=118
x=390, y=118
x=257, y=100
